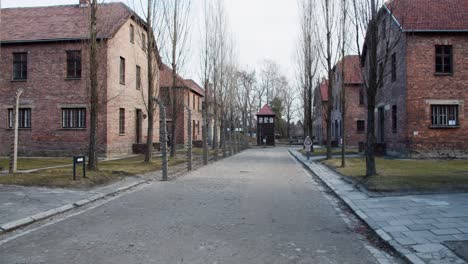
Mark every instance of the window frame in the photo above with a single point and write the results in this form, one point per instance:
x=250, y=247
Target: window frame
x=138, y=77
x=441, y=113
x=23, y=64
x=358, y=126
x=442, y=57
x=121, y=121
x=76, y=60
x=24, y=118
x=361, y=97
x=122, y=71
x=68, y=115
x=132, y=33
x=394, y=119
x=394, y=66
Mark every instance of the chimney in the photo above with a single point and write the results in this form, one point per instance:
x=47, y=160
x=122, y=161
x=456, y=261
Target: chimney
x=84, y=3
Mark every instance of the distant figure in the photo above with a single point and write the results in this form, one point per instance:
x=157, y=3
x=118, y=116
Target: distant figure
x=308, y=146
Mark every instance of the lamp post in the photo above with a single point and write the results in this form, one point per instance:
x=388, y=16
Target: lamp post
x=189, y=139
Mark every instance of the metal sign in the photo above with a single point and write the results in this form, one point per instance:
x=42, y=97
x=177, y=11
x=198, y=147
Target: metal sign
x=79, y=160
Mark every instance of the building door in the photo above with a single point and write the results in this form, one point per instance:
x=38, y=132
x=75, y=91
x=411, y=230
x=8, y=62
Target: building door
x=139, y=126
x=381, y=129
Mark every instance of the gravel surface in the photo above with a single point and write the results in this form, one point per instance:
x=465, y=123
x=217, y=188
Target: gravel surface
x=259, y=206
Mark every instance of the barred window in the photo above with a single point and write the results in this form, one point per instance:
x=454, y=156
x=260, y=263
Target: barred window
x=444, y=115
x=361, y=126
x=20, y=66
x=394, y=73
x=24, y=118
x=73, y=117
x=444, y=59
x=121, y=121
x=74, y=64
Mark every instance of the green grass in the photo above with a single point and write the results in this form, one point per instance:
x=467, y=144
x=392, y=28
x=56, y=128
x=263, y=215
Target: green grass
x=108, y=171
x=408, y=175
x=36, y=163
x=323, y=151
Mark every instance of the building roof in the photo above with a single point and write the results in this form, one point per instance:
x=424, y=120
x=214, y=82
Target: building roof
x=266, y=111
x=66, y=22
x=165, y=78
x=353, y=73
x=195, y=87
x=324, y=90
x=430, y=15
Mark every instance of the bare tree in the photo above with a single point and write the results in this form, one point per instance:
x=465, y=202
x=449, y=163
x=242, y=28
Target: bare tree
x=329, y=55
x=93, y=68
x=343, y=37
x=176, y=21
x=151, y=53
x=289, y=97
x=380, y=39
x=308, y=60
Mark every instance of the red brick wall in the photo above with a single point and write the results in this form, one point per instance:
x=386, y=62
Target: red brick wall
x=45, y=92
x=423, y=85
x=354, y=112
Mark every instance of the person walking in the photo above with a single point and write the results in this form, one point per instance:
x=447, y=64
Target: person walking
x=308, y=146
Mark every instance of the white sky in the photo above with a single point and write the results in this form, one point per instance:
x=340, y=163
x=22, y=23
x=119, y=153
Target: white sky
x=262, y=29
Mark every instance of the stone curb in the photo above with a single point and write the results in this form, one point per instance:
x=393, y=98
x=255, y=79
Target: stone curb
x=408, y=256
x=13, y=225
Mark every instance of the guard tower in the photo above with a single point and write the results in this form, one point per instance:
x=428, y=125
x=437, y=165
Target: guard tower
x=266, y=126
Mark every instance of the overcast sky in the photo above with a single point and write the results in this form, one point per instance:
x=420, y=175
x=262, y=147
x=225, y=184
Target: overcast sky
x=262, y=29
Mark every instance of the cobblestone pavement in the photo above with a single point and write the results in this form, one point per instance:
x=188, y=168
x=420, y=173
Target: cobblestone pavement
x=416, y=225
x=259, y=206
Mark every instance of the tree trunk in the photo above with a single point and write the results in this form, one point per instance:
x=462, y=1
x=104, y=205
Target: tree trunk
x=93, y=67
x=151, y=106
x=372, y=91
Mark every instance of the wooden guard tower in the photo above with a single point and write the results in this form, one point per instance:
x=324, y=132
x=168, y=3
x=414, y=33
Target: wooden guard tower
x=266, y=126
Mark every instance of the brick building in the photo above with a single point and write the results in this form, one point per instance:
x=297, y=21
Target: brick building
x=356, y=110
x=421, y=110
x=44, y=51
x=189, y=94
x=320, y=105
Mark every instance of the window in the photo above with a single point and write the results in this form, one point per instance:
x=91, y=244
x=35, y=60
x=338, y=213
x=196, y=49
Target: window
x=444, y=115
x=138, y=77
x=143, y=41
x=361, y=126
x=132, y=34
x=361, y=96
x=444, y=59
x=198, y=127
x=260, y=120
x=122, y=70
x=394, y=67
x=194, y=102
x=74, y=64
x=381, y=69
x=394, y=119
x=121, y=121
x=73, y=117
x=20, y=66
x=272, y=120
x=24, y=118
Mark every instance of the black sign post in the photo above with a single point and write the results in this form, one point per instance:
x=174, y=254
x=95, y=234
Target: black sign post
x=79, y=160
